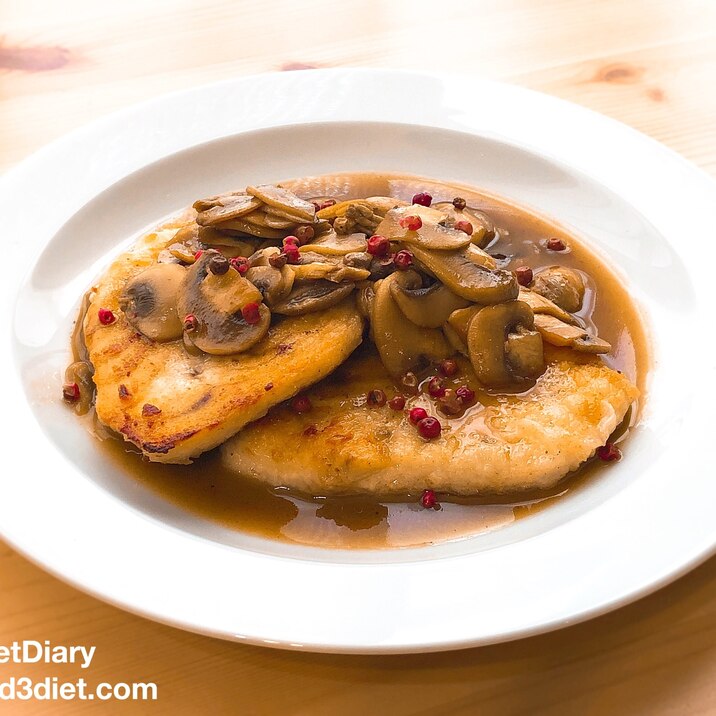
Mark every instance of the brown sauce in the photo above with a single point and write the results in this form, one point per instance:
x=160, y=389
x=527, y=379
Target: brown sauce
x=211, y=492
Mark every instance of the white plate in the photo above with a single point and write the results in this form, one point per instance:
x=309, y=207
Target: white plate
x=70, y=206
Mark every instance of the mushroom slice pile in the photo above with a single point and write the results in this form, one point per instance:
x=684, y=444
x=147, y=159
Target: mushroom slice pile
x=427, y=306
x=283, y=202
x=217, y=209
x=563, y=286
x=559, y=333
x=378, y=206
x=243, y=226
x=466, y=278
x=403, y=346
x=211, y=305
x=191, y=238
x=149, y=301
x=503, y=347
x=433, y=234
x=265, y=212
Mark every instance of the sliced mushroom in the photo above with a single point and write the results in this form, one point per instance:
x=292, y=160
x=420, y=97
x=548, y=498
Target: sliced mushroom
x=540, y=304
x=214, y=302
x=457, y=270
x=339, y=209
x=381, y=205
x=224, y=207
x=82, y=372
x=459, y=321
x=241, y=225
x=562, y=286
x=331, y=272
x=274, y=213
x=359, y=259
x=457, y=343
x=283, y=201
x=431, y=235
x=279, y=222
x=358, y=217
x=274, y=283
x=333, y=244
x=429, y=306
x=491, y=348
x=525, y=353
x=558, y=333
x=194, y=237
x=312, y=296
x=483, y=228
x=402, y=345
x=366, y=296
x=263, y=256
x=260, y=218
x=149, y=301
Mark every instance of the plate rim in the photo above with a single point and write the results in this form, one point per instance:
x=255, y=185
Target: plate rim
x=15, y=175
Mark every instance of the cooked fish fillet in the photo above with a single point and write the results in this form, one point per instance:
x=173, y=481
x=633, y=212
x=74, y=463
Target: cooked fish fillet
x=512, y=443
x=175, y=406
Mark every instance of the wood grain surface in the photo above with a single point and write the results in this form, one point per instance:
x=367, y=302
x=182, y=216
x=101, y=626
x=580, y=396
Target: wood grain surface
x=649, y=63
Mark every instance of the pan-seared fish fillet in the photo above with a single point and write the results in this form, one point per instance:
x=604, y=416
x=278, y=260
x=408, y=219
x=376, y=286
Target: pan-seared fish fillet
x=514, y=443
x=175, y=406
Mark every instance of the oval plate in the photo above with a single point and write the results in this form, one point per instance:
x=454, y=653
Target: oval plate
x=68, y=208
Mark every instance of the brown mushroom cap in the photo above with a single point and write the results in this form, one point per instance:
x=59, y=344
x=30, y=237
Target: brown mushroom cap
x=459, y=272
x=490, y=345
x=216, y=302
x=402, y=345
x=563, y=286
x=427, y=306
x=149, y=301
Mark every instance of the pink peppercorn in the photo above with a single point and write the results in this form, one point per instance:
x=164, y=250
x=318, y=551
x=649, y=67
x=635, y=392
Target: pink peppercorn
x=378, y=245
x=106, y=317
x=436, y=387
x=524, y=275
x=417, y=414
x=411, y=223
x=397, y=402
x=428, y=499
x=403, y=260
x=429, y=428
x=251, y=313
x=465, y=395
x=422, y=198
x=609, y=453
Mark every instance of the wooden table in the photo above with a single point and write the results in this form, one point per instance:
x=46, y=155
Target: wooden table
x=649, y=63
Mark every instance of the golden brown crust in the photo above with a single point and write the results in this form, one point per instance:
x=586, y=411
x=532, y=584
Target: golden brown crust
x=195, y=403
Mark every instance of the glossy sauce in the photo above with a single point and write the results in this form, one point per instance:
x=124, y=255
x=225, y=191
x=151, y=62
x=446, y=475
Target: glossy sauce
x=210, y=491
